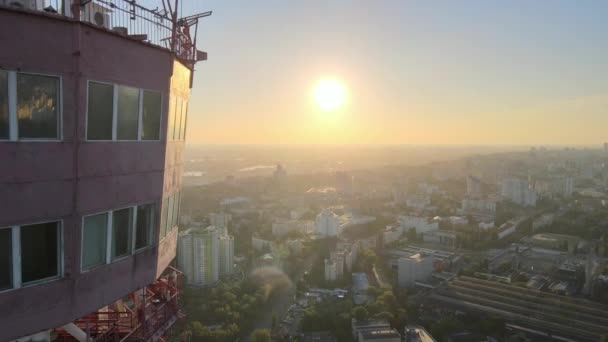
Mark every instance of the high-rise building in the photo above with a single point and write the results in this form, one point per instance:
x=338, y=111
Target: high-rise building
x=205, y=254
x=518, y=191
x=473, y=186
x=327, y=223
x=220, y=220
x=90, y=210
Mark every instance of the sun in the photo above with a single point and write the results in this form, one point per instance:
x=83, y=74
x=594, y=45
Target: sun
x=329, y=94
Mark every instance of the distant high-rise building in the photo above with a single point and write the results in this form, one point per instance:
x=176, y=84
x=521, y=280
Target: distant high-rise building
x=606, y=147
x=327, y=223
x=344, y=183
x=280, y=174
x=331, y=269
x=205, y=254
x=220, y=220
x=473, y=186
x=518, y=191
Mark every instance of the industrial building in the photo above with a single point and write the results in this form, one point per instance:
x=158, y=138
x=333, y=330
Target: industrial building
x=540, y=313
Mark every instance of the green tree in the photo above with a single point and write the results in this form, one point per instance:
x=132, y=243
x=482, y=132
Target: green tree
x=360, y=313
x=261, y=335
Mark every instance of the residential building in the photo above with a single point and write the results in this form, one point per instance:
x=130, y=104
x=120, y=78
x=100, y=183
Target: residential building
x=417, y=267
x=282, y=226
x=90, y=209
x=392, y=234
x=327, y=223
x=331, y=270
x=205, y=254
x=260, y=244
x=418, y=201
x=556, y=186
x=360, y=287
x=220, y=220
x=473, y=186
x=518, y=191
x=420, y=223
x=479, y=206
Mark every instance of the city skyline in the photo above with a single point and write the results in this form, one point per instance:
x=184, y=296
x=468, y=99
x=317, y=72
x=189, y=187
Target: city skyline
x=480, y=73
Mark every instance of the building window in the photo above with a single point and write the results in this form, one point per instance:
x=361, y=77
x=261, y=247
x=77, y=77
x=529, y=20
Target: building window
x=4, y=127
x=30, y=106
x=151, y=113
x=38, y=106
x=39, y=251
x=144, y=226
x=128, y=113
x=117, y=112
x=94, y=240
x=122, y=223
x=111, y=235
x=100, y=111
x=29, y=254
x=6, y=259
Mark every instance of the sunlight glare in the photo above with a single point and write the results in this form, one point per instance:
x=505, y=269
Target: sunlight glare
x=329, y=94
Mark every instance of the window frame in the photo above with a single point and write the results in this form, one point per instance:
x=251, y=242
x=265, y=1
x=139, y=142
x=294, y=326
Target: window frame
x=115, y=114
x=16, y=259
x=13, y=120
x=109, y=259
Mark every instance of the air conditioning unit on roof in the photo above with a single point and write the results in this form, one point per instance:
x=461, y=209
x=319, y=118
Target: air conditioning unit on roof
x=97, y=15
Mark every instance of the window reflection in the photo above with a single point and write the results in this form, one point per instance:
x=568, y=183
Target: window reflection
x=37, y=106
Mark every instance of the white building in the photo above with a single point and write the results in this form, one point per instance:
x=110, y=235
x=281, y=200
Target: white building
x=281, y=227
x=260, y=244
x=482, y=206
x=205, y=254
x=392, y=234
x=558, y=186
x=327, y=223
x=518, y=191
x=422, y=224
x=220, y=220
x=417, y=267
x=331, y=270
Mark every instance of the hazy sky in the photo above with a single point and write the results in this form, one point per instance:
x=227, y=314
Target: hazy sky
x=416, y=72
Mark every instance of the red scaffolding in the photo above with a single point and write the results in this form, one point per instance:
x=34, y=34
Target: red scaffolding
x=145, y=315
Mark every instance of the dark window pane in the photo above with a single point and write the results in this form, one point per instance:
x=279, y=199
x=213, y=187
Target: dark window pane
x=145, y=220
x=37, y=106
x=94, y=240
x=39, y=251
x=4, y=104
x=128, y=113
x=6, y=259
x=100, y=111
x=151, y=115
x=122, y=221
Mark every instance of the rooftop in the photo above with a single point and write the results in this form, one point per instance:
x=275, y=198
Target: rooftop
x=157, y=27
